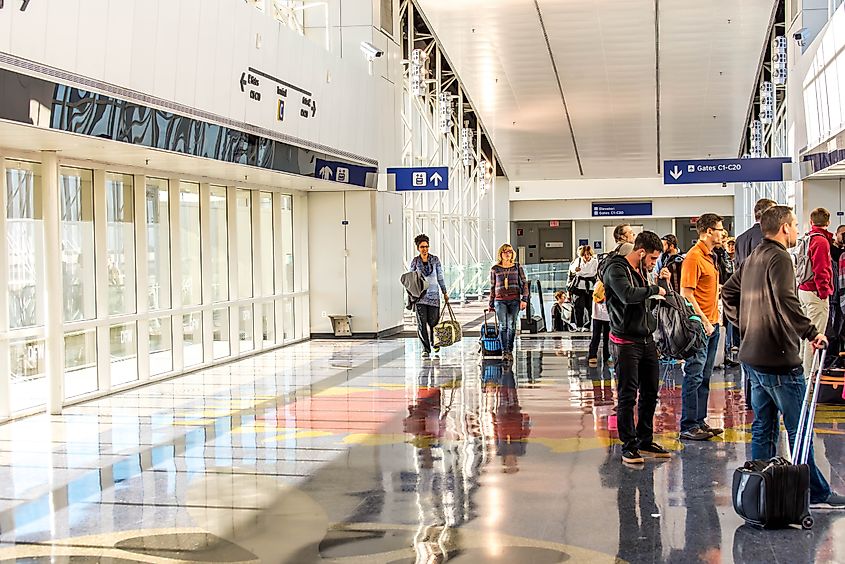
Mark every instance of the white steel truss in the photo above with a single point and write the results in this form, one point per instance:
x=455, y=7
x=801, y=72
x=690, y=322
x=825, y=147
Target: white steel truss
x=460, y=221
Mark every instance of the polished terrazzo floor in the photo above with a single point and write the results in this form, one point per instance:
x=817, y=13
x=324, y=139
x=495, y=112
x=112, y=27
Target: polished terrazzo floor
x=359, y=451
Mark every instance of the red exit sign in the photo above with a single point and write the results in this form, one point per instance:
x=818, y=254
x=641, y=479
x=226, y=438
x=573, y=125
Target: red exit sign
x=554, y=223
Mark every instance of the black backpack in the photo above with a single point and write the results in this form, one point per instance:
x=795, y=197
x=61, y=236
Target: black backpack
x=680, y=332
x=604, y=260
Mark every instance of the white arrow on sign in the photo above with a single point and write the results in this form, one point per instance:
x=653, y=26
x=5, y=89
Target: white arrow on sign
x=436, y=178
x=326, y=173
x=676, y=172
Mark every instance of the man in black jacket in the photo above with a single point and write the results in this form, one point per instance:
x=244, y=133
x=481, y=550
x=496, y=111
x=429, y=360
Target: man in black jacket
x=751, y=237
x=632, y=327
x=760, y=299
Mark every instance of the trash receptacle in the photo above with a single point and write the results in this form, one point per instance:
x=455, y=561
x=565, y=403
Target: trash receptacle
x=341, y=325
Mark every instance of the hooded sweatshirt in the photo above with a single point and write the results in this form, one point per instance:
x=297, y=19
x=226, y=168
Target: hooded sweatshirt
x=627, y=294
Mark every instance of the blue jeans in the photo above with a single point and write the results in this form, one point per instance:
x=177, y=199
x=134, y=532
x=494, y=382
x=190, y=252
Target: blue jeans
x=695, y=390
x=781, y=393
x=507, y=312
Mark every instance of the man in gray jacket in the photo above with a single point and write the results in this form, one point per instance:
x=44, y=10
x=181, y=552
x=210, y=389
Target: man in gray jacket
x=760, y=299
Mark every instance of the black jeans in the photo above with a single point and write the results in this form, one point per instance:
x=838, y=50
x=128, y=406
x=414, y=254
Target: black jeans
x=427, y=318
x=581, y=307
x=637, y=371
x=601, y=332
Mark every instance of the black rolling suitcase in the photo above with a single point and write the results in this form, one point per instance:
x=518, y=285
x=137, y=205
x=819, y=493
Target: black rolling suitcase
x=776, y=493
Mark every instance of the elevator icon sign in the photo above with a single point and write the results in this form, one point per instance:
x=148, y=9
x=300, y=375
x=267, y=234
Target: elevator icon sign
x=419, y=178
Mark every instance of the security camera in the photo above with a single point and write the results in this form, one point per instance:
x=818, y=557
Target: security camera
x=370, y=51
x=799, y=36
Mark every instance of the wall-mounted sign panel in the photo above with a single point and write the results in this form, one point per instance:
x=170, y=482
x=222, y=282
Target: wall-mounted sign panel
x=721, y=171
x=345, y=173
x=554, y=244
x=409, y=179
x=613, y=209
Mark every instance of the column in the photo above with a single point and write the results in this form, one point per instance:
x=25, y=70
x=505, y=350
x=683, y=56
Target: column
x=53, y=306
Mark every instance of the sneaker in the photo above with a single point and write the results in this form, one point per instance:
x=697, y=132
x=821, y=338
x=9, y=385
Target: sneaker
x=593, y=362
x=426, y=354
x=632, y=456
x=655, y=450
x=730, y=363
x=436, y=349
x=696, y=434
x=712, y=430
x=834, y=501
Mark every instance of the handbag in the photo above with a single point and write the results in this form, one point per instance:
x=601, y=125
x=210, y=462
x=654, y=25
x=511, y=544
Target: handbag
x=447, y=332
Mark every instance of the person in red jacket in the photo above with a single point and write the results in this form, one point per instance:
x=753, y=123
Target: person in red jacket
x=814, y=293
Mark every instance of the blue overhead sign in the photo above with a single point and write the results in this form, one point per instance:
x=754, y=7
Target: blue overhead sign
x=720, y=171
x=346, y=173
x=420, y=178
x=614, y=209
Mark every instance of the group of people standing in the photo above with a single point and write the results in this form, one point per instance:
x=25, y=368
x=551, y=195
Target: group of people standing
x=768, y=319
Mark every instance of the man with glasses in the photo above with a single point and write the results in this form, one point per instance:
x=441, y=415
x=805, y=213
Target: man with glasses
x=700, y=286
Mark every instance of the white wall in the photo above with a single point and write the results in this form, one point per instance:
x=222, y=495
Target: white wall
x=355, y=269
x=609, y=188
x=541, y=210
x=829, y=194
x=193, y=52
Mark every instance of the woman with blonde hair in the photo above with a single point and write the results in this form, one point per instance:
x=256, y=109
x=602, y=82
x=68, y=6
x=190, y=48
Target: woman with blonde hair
x=508, y=296
x=584, y=271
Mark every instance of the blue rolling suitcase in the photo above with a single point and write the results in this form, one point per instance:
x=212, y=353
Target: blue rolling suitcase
x=490, y=344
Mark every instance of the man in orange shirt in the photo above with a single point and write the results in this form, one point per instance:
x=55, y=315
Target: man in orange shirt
x=700, y=286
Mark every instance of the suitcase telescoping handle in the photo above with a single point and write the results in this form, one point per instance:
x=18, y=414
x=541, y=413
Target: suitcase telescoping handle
x=804, y=437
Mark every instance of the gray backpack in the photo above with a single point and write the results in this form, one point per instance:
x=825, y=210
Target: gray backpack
x=801, y=256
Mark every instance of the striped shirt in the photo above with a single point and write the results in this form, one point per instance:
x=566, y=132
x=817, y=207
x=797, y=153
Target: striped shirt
x=517, y=284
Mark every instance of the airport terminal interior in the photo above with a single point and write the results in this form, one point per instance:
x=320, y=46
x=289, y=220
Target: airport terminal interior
x=209, y=329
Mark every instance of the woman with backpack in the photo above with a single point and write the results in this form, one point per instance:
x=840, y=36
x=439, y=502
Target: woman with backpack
x=508, y=296
x=584, y=271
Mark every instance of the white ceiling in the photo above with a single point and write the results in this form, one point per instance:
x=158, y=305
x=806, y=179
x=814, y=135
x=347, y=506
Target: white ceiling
x=606, y=56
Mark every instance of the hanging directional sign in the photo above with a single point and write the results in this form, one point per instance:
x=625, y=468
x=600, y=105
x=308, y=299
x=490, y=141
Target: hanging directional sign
x=346, y=173
x=420, y=178
x=719, y=171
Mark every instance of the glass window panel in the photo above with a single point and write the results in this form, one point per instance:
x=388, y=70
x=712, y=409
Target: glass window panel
x=192, y=339
x=76, y=194
x=80, y=363
x=268, y=323
x=287, y=243
x=120, y=242
x=189, y=218
x=268, y=242
x=158, y=243
x=220, y=329
x=287, y=319
x=25, y=237
x=28, y=382
x=123, y=343
x=161, y=346
x=246, y=330
x=244, y=230
x=219, y=245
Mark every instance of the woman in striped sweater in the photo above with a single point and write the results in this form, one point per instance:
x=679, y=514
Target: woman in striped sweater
x=508, y=296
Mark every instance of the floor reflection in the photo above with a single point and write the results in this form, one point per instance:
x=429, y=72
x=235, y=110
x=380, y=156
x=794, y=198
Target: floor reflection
x=338, y=450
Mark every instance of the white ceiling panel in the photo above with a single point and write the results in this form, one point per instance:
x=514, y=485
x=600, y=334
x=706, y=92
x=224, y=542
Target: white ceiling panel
x=606, y=54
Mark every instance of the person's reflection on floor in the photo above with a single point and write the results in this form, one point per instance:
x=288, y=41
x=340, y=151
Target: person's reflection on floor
x=698, y=477
x=510, y=426
x=639, y=515
x=423, y=420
